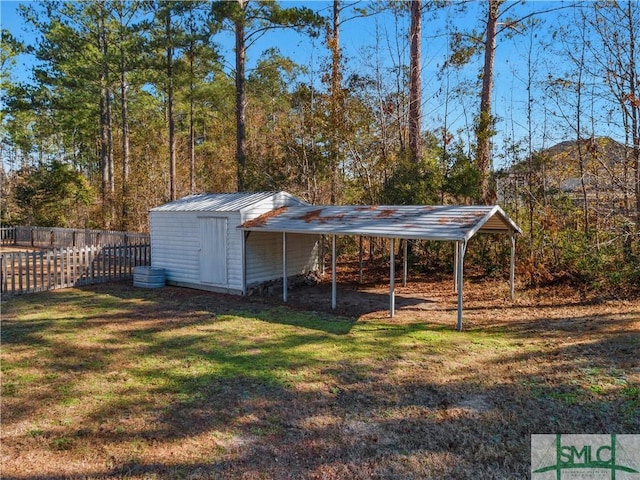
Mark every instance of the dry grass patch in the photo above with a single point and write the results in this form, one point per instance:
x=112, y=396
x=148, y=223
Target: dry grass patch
x=115, y=382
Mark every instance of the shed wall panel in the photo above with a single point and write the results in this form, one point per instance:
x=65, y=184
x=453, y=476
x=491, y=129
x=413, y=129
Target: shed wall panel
x=234, y=253
x=264, y=255
x=175, y=246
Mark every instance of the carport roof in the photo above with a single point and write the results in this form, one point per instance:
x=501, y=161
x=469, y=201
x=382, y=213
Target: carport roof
x=418, y=222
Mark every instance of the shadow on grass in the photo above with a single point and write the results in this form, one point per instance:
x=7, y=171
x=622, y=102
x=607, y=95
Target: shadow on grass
x=371, y=429
x=270, y=392
x=323, y=322
x=352, y=300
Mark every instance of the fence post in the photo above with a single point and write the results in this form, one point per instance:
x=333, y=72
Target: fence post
x=13, y=275
x=86, y=265
x=3, y=275
x=74, y=255
x=28, y=270
x=60, y=283
x=68, y=269
x=55, y=268
x=79, y=254
x=20, y=282
x=41, y=258
x=90, y=269
x=74, y=269
x=116, y=263
x=98, y=260
x=48, y=269
x=95, y=264
x=61, y=269
x=110, y=261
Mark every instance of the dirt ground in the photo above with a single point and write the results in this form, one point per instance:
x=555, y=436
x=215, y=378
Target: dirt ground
x=130, y=388
x=425, y=294
x=18, y=249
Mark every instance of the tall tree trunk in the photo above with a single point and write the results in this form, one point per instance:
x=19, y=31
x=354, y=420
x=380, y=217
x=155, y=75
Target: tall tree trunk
x=336, y=100
x=415, y=87
x=124, y=108
x=170, y=100
x=106, y=126
x=112, y=183
x=192, y=133
x=485, y=121
x=104, y=117
x=579, y=141
x=634, y=100
x=241, y=100
x=104, y=142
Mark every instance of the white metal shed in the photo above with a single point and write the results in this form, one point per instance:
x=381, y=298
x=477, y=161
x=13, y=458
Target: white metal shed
x=196, y=240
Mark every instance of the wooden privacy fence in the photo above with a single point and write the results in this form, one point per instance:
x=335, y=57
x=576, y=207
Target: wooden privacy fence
x=67, y=237
x=27, y=272
x=7, y=235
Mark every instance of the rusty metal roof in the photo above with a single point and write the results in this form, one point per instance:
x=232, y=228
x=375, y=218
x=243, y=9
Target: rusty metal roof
x=446, y=223
x=223, y=202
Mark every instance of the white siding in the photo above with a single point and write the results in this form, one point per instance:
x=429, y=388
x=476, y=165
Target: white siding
x=264, y=255
x=176, y=242
x=234, y=253
x=175, y=246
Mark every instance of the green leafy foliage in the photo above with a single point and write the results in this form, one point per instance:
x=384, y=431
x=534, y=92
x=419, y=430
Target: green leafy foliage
x=321, y=134
x=412, y=184
x=462, y=179
x=47, y=195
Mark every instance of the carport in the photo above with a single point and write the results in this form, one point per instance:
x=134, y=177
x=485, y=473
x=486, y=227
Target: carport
x=457, y=224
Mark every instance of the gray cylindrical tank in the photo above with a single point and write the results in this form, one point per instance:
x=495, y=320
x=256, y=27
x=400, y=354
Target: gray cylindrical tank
x=148, y=277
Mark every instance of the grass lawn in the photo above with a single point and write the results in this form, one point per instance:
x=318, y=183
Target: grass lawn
x=115, y=382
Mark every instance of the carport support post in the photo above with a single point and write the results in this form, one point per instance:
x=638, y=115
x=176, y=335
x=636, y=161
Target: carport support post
x=245, y=236
x=322, y=253
x=333, y=272
x=406, y=262
x=460, y=250
x=284, y=267
x=392, y=279
x=360, y=263
x=455, y=267
x=512, y=270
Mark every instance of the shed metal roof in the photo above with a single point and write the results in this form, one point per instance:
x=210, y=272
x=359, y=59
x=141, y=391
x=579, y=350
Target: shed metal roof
x=221, y=202
x=445, y=223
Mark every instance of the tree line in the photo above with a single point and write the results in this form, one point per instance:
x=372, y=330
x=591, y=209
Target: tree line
x=135, y=103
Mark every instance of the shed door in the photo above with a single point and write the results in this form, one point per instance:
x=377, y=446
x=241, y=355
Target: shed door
x=213, y=251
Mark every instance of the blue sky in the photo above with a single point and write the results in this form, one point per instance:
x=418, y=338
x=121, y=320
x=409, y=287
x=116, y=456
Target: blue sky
x=358, y=39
